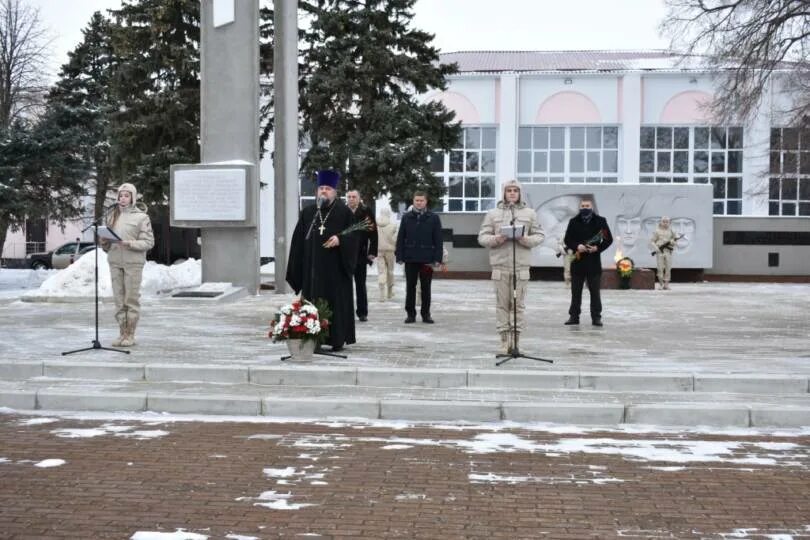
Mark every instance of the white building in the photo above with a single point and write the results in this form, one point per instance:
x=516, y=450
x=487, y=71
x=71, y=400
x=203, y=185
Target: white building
x=613, y=117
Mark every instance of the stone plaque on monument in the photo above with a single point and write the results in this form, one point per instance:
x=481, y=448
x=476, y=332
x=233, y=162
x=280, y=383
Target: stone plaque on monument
x=214, y=195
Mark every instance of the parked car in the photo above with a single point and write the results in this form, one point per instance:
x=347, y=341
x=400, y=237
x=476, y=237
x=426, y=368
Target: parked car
x=59, y=258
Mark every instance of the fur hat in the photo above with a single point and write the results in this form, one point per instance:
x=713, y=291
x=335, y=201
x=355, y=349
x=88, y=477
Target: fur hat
x=132, y=191
x=328, y=178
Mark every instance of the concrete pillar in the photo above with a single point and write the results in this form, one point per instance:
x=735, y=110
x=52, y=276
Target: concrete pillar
x=630, y=100
x=229, y=128
x=285, y=165
x=756, y=156
x=508, y=128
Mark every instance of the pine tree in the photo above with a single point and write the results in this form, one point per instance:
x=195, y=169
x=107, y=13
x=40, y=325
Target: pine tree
x=359, y=104
x=158, y=90
x=81, y=104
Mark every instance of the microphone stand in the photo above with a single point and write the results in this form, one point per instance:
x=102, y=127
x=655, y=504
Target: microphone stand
x=318, y=203
x=515, y=351
x=96, y=342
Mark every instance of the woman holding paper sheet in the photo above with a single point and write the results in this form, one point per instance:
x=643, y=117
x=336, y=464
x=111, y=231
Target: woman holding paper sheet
x=510, y=211
x=126, y=259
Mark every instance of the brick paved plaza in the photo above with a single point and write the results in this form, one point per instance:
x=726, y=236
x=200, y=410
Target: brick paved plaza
x=125, y=478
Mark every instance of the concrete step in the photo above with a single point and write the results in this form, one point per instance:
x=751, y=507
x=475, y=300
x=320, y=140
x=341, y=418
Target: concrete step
x=473, y=404
x=276, y=373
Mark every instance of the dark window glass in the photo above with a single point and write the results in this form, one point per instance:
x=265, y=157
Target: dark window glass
x=540, y=161
x=734, y=208
x=701, y=164
x=804, y=139
x=593, y=162
x=735, y=137
x=700, y=180
x=645, y=180
x=610, y=180
x=718, y=138
x=576, y=180
x=663, y=137
x=680, y=162
x=541, y=137
x=663, y=180
x=471, y=206
x=487, y=186
x=472, y=162
x=487, y=204
x=612, y=137
x=789, y=189
x=776, y=139
x=804, y=162
x=775, y=162
x=790, y=139
x=472, y=137
x=718, y=161
x=734, y=188
x=788, y=209
x=456, y=161
x=790, y=163
x=719, y=188
x=718, y=209
x=648, y=137
x=471, y=186
x=524, y=162
x=662, y=159
x=680, y=179
x=488, y=161
x=773, y=188
x=804, y=209
x=455, y=186
x=773, y=208
x=488, y=138
x=577, y=163
x=681, y=136
x=647, y=161
x=701, y=137
x=556, y=162
x=735, y=161
x=524, y=138
x=455, y=205
x=804, y=189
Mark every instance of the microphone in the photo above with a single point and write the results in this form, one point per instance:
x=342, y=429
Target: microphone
x=319, y=202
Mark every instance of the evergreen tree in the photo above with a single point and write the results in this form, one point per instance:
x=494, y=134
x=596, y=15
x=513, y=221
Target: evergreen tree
x=158, y=90
x=358, y=102
x=80, y=106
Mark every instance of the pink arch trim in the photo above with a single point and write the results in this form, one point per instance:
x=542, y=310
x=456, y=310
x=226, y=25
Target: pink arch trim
x=460, y=104
x=568, y=108
x=689, y=107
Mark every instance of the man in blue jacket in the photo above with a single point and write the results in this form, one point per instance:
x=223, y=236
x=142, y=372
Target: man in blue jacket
x=588, y=235
x=419, y=246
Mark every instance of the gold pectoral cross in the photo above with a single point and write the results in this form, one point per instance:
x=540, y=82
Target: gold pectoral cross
x=321, y=228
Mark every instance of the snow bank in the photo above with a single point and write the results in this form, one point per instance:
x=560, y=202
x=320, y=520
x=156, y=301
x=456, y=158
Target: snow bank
x=77, y=280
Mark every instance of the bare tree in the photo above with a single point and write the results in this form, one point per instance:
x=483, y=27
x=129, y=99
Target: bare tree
x=748, y=43
x=23, y=48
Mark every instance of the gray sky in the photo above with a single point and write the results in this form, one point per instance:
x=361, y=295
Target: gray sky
x=458, y=24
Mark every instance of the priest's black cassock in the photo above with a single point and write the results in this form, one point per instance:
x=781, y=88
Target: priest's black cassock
x=319, y=272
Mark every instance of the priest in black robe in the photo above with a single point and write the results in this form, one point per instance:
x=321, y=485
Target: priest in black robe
x=321, y=262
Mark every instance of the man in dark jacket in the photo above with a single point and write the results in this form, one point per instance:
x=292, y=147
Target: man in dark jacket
x=419, y=246
x=588, y=235
x=367, y=250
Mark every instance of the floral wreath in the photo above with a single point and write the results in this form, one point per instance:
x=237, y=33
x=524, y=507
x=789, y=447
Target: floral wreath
x=625, y=267
x=301, y=319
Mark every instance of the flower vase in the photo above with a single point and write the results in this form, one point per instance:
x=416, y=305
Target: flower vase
x=301, y=350
x=624, y=282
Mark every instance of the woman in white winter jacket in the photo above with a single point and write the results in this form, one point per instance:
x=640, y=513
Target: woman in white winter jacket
x=126, y=259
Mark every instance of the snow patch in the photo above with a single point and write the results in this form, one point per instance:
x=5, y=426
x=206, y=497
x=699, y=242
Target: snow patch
x=37, y=421
x=279, y=501
x=240, y=537
x=109, y=429
x=179, y=534
x=48, y=463
x=396, y=446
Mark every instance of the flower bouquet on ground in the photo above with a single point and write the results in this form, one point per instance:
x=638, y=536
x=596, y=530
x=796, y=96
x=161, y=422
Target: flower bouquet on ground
x=302, y=320
x=625, y=268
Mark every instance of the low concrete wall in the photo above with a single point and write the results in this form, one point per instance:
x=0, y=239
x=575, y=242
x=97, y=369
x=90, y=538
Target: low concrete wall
x=761, y=245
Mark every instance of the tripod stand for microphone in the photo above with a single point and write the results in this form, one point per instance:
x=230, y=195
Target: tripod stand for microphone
x=515, y=350
x=318, y=350
x=96, y=342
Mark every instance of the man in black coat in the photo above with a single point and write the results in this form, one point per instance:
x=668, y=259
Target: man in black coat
x=419, y=246
x=588, y=235
x=366, y=252
x=322, y=260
